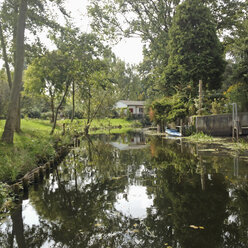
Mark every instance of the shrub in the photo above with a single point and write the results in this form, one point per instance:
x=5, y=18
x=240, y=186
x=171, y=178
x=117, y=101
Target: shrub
x=46, y=115
x=238, y=93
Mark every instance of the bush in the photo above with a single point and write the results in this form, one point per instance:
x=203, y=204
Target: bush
x=46, y=116
x=238, y=93
x=33, y=113
x=218, y=107
x=168, y=109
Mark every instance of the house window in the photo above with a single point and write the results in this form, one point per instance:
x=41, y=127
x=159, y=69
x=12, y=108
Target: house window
x=131, y=110
x=141, y=110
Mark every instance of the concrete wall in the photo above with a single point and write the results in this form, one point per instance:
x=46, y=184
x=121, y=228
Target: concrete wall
x=218, y=125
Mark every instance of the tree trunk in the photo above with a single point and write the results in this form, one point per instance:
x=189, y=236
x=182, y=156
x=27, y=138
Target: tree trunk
x=5, y=57
x=58, y=108
x=8, y=134
x=18, y=116
x=52, y=108
x=6, y=61
x=73, y=102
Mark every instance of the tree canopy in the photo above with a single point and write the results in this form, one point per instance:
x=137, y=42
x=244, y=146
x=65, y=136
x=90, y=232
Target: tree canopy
x=195, y=51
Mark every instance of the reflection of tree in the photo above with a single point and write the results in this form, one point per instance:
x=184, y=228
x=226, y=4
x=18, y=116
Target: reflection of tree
x=18, y=229
x=192, y=206
x=236, y=229
x=181, y=202
x=77, y=204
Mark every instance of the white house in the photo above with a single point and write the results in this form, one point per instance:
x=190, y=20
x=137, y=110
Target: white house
x=135, y=107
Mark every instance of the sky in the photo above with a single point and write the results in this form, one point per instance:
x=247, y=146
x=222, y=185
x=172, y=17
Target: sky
x=129, y=50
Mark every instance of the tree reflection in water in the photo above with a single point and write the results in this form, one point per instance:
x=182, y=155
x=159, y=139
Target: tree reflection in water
x=125, y=191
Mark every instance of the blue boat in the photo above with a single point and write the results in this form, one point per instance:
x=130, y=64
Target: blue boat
x=173, y=132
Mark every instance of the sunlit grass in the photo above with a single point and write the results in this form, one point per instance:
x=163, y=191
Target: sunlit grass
x=30, y=145
x=200, y=137
x=105, y=123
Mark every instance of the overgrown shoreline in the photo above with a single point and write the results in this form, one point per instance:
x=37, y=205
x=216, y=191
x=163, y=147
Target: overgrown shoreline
x=225, y=143
x=34, y=147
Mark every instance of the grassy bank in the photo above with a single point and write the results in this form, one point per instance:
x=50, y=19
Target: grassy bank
x=34, y=144
x=100, y=126
x=31, y=146
x=225, y=143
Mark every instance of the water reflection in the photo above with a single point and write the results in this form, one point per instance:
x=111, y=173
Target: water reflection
x=134, y=202
x=152, y=193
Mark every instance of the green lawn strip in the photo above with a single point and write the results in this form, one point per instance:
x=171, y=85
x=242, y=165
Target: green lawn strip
x=112, y=131
x=114, y=123
x=103, y=125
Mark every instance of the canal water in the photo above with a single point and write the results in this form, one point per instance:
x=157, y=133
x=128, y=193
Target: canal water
x=134, y=191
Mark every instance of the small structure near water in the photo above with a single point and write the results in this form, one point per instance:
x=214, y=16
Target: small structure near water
x=136, y=108
x=220, y=125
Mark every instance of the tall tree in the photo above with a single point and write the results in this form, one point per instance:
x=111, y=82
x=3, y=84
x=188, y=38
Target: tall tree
x=8, y=134
x=51, y=75
x=151, y=20
x=16, y=16
x=194, y=48
x=92, y=64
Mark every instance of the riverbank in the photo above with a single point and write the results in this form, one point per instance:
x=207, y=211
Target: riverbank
x=34, y=145
x=221, y=143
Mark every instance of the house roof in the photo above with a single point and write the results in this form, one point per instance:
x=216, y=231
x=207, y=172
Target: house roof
x=133, y=103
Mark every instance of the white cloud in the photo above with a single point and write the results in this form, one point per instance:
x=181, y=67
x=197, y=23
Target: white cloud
x=129, y=49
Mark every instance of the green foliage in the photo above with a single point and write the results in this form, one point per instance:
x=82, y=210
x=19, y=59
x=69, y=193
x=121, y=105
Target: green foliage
x=169, y=109
x=200, y=137
x=127, y=80
x=218, y=107
x=93, y=73
x=48, y=74
x=152, y=20
x=237, y=93
x=33, y=145
x=40, y=15
x=4, y=94
x=214, y=102
x=4, y=193
x=194, y=49
x=240, y=52
x=34, y=106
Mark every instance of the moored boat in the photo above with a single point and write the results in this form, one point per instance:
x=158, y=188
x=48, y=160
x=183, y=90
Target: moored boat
x=173, y=132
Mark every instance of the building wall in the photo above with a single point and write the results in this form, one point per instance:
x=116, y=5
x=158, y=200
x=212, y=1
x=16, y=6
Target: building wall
x=218, y=125
x=136, y=109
